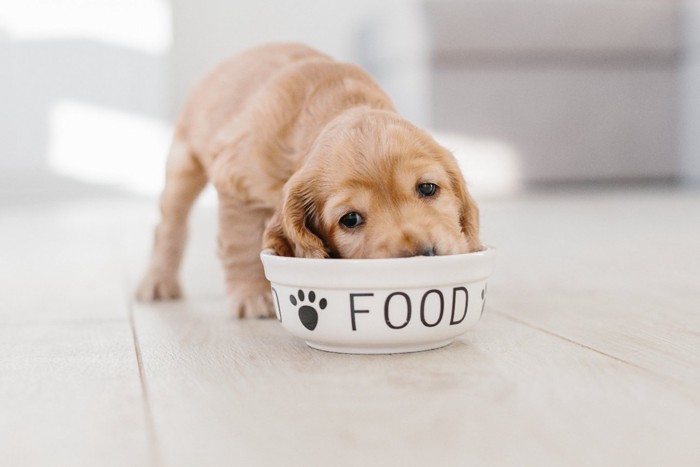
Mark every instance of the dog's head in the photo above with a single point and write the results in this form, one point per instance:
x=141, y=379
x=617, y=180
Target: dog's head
x=375, y=186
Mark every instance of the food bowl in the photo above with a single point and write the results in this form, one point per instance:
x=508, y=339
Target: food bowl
x=379, y=306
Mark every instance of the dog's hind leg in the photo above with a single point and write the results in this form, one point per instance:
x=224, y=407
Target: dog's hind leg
x=241, y=227
x=184, y=181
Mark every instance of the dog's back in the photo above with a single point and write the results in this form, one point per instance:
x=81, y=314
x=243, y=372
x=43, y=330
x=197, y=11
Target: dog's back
x=256, y=115
x=227, y=89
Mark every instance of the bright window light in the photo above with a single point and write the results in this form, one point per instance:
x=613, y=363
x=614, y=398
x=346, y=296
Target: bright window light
x=140, y=24
x=106, y=146
x=491, y=168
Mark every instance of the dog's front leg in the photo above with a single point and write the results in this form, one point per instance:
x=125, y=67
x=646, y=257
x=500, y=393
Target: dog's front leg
x=184, y=180
x=240, y=238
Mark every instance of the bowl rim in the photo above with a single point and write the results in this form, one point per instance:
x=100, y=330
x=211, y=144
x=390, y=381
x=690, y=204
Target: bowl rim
x=374, y=273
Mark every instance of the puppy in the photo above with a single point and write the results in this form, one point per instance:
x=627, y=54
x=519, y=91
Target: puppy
x=309, y=158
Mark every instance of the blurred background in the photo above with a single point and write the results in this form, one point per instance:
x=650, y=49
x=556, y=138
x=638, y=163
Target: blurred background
x=526, y=92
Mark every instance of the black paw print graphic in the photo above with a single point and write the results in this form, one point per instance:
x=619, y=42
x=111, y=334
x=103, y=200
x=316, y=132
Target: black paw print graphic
x=307, y=313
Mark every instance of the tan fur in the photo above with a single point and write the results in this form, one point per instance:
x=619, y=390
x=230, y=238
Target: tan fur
x=293, y=140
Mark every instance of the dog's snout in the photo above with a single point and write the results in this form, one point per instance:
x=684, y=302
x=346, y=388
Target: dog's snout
x=428, y=251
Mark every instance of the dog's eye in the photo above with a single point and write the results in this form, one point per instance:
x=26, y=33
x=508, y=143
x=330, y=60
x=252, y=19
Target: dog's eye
x=351, y=220
x=427, y=189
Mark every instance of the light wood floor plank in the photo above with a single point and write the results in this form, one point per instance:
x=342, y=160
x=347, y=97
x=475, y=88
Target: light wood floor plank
x=70, y=393
x=614, y=271
x=246, y=393
x=64, y=261
x=70, y=396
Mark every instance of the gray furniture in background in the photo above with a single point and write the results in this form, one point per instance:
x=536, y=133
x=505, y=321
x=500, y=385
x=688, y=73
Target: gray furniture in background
x=581, y=90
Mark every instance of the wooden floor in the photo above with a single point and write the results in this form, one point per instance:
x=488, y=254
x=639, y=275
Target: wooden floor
x=588, y=352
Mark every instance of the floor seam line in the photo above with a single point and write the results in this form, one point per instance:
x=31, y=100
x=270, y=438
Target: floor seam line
x=682, y=385
x=148, y=412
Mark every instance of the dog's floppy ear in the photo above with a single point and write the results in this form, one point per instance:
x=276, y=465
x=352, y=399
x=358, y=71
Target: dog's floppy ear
x=292, y=228
x=469, y=211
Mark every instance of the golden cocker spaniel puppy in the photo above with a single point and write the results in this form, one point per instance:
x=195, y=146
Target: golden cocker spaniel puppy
x=309, y=158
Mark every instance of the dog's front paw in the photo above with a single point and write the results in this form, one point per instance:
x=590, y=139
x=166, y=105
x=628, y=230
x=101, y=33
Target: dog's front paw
x=158, y=287
x=256, y=306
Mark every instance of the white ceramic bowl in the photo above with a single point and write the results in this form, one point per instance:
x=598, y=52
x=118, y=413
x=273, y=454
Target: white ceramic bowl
x=376, y=306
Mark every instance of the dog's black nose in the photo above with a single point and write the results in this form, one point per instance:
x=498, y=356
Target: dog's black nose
x=430, y=251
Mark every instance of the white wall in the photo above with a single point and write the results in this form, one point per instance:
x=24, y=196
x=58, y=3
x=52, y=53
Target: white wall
x=205, y=32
